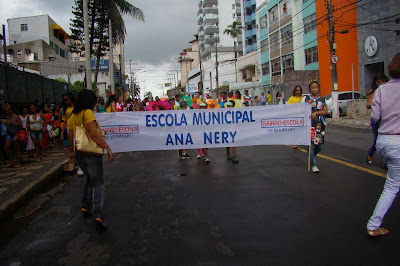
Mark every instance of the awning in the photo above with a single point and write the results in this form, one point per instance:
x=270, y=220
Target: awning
x=58, y=27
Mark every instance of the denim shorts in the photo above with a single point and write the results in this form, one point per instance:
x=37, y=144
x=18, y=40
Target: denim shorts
x=36, y=134
x=12, y=137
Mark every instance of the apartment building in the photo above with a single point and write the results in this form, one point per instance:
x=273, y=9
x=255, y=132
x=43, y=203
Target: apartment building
x=216, y=48
x=249, y=26
x=42, y=27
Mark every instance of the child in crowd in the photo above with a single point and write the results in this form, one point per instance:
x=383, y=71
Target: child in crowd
x=182, y=153
x=203, y=152
x=231, y=104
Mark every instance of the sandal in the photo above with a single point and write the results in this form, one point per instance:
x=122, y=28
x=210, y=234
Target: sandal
x=378, y=232
x=87, y=213
x=101, y=225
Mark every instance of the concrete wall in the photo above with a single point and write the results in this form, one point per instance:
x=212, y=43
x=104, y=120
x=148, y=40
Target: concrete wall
x=37, y=29
x=358, y=109
x=293, y=78
x=388, y=42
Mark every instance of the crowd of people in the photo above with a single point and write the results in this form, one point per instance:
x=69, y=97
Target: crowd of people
x=40, y=123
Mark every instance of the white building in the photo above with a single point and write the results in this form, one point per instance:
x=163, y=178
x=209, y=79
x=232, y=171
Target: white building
x=218, y=49
x=41, y=27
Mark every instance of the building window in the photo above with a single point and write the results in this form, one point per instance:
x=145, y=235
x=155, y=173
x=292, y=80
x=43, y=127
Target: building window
x=285, y=8
x=76, y=58
x=233, y=6
x=57, y=49
x=276, y=67
x=62, y=53
x=274, y=37
x=264, y=45
x=273, y=15
x=265, y=68
x=311, y=55
x=233, y=15
x=287, y=62
x=287, y=35
x=36, y=56
x=19, y=52
x=24, y=27
x=309, y=23
x=263, y=22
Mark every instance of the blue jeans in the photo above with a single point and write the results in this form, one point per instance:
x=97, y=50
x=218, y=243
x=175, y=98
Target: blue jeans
x=388, y=148
x=93, y=190
x=315, y=149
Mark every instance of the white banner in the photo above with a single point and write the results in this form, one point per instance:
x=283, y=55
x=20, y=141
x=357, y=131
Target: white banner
x=287, y=124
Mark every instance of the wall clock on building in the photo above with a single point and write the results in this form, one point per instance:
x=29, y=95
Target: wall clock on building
x=371, y=46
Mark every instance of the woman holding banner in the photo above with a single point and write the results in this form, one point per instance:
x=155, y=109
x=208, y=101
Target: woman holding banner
x=296, y=98
x=318, y=110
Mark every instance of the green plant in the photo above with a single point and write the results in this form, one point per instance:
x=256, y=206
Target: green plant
x=61, y=80
x=79, y=85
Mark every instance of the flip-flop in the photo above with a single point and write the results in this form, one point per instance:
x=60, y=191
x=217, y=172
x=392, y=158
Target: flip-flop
x=87, y=213
x=378, y=232
x=101, y=225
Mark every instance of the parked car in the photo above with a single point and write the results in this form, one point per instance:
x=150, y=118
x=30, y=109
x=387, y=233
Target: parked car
x=343, y=98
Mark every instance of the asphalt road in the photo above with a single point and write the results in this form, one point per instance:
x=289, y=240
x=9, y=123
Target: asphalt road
x=266, y=210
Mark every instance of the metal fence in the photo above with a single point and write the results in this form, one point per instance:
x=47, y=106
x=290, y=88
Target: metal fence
x=21, y=88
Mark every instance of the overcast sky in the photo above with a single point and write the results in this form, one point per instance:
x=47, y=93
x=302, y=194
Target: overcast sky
x=154, y=45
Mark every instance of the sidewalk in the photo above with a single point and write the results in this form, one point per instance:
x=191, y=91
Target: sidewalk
x=362, y=123
x=17, y=184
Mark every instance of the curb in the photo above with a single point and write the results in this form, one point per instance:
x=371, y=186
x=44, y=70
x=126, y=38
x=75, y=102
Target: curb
x=14, y=202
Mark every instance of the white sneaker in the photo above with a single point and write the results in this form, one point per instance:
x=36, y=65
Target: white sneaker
x=80, y=172
x=207, y=160
x=315, y=169
x=198, y=156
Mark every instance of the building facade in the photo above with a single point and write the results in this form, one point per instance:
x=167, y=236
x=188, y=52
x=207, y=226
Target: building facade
x=217, y=49
x=378, y=40
x=42, y=27
x=249, y=26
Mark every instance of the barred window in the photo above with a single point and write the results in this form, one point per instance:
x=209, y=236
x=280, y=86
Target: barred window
x=273, y=15
x=287, y=35
x=276, y=67
x=311, y=55
x=265, y=68
x=309, y=23
x=287, y=62
x=285, y=8
x=263, y=22
x=264, y=45
x=24, y=27
x=274, y=37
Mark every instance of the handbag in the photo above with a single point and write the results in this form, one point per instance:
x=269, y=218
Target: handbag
x=22, y=136
x=83, y=142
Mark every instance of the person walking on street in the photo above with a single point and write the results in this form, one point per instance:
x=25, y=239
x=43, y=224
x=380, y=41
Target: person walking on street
x=385, y=107
x=231, y=156
x=279, y=98
x=318, y=110
x=296, y=98
x=36, y=130
x=379, y=79
x=14, y=125
x=263, y=99
x=269, y=98
x=91, y=164
x=182, y=153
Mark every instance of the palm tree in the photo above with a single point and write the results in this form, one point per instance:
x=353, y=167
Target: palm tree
x=114, y=10
x=234, y=30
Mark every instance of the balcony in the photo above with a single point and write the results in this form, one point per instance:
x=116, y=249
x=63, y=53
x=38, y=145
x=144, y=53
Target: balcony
x=200, y=4
x=211, y=21
x=212, y=40
x=237, y=2
x=199, y=12
x=247, y=19
x=249, y=34
x=247, y=4
x=201, y=36
x=209, y=3
x=211, y=30
x=255, y=31
x=201, y=28
x=210, y=10
x=200, y=21
x=238, y=11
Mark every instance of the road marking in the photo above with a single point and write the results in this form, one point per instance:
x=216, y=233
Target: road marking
x=348, y=164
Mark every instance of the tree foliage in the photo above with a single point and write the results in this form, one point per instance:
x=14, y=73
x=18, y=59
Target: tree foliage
x=148, y=95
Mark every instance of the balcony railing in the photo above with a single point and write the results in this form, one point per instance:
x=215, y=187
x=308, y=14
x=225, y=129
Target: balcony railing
x=210, y=10
x=208, y=3
x=200, y=4
x=211, y=30
x=199, y=12
x=210, y=21
x=200, y=21
x=211, y=40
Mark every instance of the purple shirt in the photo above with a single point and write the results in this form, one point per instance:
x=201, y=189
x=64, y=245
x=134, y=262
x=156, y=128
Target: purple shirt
x=386, y=107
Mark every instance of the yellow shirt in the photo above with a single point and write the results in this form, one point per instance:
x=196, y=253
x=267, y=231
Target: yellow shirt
x=67, y=114
x=108, y=109
x=269, y=98
x=76, y=120
x=294, y=100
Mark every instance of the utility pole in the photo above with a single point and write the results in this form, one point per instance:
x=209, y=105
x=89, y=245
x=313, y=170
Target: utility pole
x=332, y=47
x=4, y=43
x=111, y=59
x=87, y=46
x=216, y=66
x=201, y=74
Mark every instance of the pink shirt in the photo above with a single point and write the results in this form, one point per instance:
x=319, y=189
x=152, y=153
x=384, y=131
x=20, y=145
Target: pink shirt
x=386, y=107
